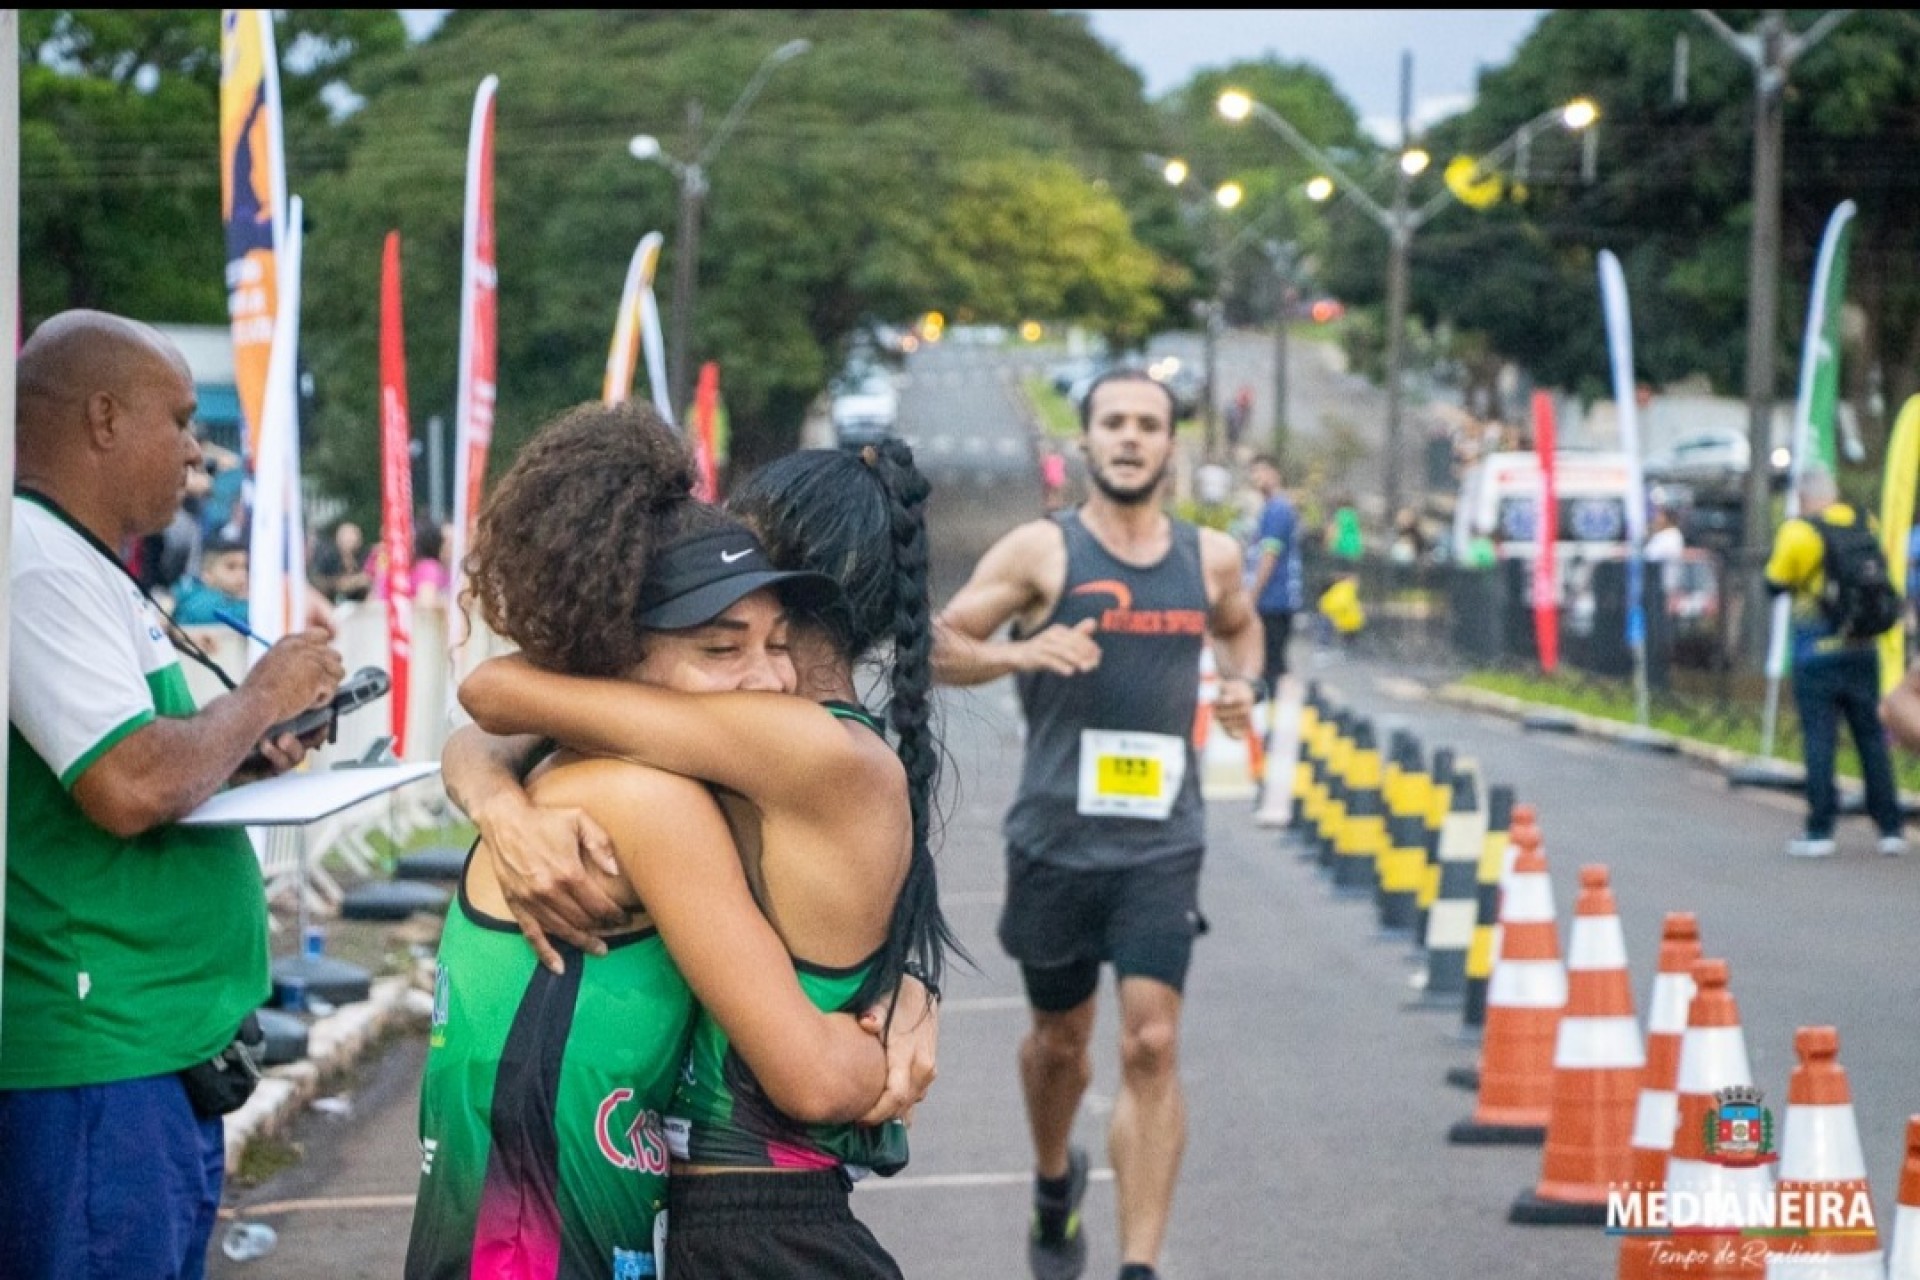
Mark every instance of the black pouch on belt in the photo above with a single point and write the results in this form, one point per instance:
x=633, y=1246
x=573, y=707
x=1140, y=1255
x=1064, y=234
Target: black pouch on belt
x=223, y=1083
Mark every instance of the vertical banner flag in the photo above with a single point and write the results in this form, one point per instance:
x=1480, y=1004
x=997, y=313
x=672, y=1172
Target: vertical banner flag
x=655, y=343
x=1818, y=398
x=277, y=551
x=1814, y=406
x=1896, y=528
x=706, y=408
x=1546, y=577
x=479, y=287
x=253, y=186
x=1613, y=293
x=396, y=489
x=623, y=356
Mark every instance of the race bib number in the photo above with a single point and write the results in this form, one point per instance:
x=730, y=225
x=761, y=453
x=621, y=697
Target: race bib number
x=1130, y=775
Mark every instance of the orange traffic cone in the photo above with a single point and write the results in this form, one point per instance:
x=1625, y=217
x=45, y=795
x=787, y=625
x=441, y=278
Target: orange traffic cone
x=1657, y=1110
x=1905, y=1262
x=1524, y=1002
x=1597, y=1065
x=1718, y=1183
x=1496, y=862
x=1823, y=1176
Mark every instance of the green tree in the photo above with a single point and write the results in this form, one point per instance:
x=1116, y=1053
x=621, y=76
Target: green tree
x=912, y=158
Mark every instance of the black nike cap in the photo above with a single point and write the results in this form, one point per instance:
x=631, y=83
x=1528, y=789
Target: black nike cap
x=695, y=580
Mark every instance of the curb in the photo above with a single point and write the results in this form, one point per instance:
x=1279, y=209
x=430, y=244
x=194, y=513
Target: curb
x=334, y=1043
x=1706, y=753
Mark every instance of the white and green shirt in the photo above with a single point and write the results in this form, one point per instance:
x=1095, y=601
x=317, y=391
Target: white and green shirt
x=124, y=957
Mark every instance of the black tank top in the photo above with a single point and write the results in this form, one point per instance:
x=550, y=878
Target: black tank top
x=1152, y=623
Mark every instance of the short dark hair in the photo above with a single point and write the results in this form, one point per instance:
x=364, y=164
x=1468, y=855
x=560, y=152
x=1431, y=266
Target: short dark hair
x=222, y=546
x=1265, y=460
x=1126, y=373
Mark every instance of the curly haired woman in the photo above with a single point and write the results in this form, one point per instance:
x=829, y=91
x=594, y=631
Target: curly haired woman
x=836, y=828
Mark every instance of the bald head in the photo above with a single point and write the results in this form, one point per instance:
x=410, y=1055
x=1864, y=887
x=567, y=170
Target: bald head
x=70, y=358
x=104, y=420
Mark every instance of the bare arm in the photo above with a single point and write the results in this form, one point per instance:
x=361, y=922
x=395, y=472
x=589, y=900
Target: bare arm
x=544, y=856
x=779, y=751
x=674, y=847
x=164, y=770
x=1238, y=639
x=1018, y=577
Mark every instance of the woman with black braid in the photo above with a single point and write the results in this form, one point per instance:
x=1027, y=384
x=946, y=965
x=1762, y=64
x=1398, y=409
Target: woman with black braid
x=834, y=826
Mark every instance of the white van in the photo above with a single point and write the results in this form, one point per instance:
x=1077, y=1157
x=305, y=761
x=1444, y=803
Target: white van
x=1500, y=497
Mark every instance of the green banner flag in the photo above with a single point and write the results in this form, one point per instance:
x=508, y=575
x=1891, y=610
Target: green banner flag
x=1820, y=356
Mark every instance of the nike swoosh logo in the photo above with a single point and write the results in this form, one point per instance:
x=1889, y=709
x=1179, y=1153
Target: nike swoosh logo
x=728, y=557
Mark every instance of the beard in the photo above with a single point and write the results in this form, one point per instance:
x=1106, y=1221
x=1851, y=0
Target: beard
x=1133, y=496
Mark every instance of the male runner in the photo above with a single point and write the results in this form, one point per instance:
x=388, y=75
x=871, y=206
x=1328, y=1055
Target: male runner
x=1110, y=604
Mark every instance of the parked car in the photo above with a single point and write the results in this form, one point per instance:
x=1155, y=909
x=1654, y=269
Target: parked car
x=865, y=410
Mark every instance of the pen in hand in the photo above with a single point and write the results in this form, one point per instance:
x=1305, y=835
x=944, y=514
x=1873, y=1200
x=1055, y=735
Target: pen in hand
x=222, y=616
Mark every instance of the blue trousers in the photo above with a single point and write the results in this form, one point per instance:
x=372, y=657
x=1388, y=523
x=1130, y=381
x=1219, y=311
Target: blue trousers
x=107, y=1182
x=1826, y=690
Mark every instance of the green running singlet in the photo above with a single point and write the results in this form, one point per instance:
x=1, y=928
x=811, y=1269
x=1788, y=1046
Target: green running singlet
x=721, y=1115
x=543, y=1153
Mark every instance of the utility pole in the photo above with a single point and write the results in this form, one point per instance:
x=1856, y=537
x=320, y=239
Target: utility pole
x=1281, y=256
x=1400, y=237
x=1771, y=51
x=686, y=256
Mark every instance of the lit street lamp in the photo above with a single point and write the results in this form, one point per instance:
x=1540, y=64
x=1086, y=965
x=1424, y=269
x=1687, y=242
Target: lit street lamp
x=692, y=177
x=1228, y=196
x=1399, y=221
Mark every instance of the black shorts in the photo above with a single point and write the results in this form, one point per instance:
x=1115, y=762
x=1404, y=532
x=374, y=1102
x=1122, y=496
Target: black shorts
x=1062, y=923
x=1278, y=628
x=769, y=1226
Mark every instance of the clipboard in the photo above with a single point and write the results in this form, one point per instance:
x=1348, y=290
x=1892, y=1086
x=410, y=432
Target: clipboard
x=296, y=799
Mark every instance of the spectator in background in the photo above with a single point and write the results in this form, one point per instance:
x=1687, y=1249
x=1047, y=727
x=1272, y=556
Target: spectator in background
x=220, y=587
x=1835, y=677
x=1409, y=545
x=1275, y=586
x=1665, y=545
x=338, y=568
x=429, y=571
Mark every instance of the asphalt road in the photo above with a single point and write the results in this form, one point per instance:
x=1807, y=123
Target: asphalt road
x=1317, y=1096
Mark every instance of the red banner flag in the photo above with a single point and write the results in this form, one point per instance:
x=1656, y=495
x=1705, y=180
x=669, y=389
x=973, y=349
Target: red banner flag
x=1546, y=604
x=396, y=489
x=706, y=408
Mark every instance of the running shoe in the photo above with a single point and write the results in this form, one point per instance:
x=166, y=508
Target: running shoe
x=1056, y=1246
x=1893, y=844
x=1810, y=847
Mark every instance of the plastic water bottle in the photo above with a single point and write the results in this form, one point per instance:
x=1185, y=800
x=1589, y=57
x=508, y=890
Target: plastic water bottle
x=293, y=992
x=245, y=1241
x=313, y=942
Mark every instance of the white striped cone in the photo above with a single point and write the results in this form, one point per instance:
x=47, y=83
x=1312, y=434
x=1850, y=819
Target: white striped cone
x=1450, y=921
x=1713, y=1056
x=1658, y=1109
x=1597, y=1065
x=1279, y=788
x=1527, y=992
x=1823, y=1175
x=1230, y=767
x=1904, y=1263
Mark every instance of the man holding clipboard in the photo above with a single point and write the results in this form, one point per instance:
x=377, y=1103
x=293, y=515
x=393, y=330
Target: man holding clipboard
x=136, y=947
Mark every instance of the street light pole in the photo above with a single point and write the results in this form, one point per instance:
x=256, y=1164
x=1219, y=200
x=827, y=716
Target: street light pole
x=686, y=254
x=1771, y=51
x=1400, y=236
x=692, y=176
x=1400, y=222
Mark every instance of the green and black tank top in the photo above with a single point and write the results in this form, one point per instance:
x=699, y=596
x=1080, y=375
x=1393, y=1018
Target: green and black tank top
x=543, y=1149
x=720, y=1114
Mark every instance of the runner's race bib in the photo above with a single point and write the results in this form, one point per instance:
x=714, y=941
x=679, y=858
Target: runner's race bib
x=1130, y=775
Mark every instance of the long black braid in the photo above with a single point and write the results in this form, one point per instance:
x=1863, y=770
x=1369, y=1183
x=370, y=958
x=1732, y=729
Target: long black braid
x=861, y=520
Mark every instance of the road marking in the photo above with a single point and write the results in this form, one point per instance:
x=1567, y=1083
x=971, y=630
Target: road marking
x=321, y=1203
x=948, y=1181
x=985, y=1004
